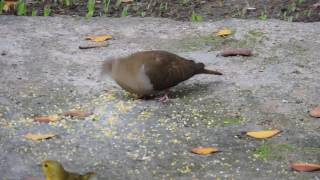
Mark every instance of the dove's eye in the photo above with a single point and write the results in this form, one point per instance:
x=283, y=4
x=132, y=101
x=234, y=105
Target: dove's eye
x=46, y=165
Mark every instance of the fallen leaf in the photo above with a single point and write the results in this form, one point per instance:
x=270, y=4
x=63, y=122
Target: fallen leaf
x=316, y=5
x=204, y=150
x=263, y=134
x=236, y=52
x=126, y=1
x=9, y=4
x=315, y=112
x=305, y=167
x=224, y=32
x=77, y=113
x=46, y=119
x=38, y=137
x=98, y=38
x=93, y=46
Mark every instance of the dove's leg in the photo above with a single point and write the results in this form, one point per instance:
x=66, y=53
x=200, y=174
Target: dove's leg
x=164, y=98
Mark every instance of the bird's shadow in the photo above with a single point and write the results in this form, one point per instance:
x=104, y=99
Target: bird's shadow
x=188, y=90
x=183, y=90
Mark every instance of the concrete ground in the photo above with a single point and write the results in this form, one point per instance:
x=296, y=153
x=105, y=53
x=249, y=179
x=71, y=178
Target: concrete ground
x=42, y=71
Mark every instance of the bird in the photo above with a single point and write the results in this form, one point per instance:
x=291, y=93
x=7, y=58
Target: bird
x=53, y=170
x=145, y=73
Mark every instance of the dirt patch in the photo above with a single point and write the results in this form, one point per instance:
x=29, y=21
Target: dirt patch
x=185, y=10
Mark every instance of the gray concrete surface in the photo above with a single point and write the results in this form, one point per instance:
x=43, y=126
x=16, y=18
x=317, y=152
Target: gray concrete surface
x=42, y=71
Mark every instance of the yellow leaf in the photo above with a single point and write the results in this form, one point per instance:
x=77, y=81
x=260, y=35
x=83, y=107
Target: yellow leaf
x=224, y=32
x=9, y=5
x=38, y=137
x=98, y=38
x=46, y=119
x=263, y=134
x=204, y=150
x=126, y=1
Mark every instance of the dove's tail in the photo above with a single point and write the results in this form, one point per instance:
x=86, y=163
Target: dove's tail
x=202, y=70
x=207, y=71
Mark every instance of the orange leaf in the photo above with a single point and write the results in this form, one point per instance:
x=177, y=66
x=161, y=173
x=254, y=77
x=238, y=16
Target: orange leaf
x=38, y=137
x=46, y=119
x=204, y=150
x=98, y=38
x=315, y=112
x=305, y=167
x=77, y=113
x=263, y=134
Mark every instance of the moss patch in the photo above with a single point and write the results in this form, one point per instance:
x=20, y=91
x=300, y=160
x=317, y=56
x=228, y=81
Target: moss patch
x=228, y=121
x=217, y=43
x=269, y=151
x=264, y=152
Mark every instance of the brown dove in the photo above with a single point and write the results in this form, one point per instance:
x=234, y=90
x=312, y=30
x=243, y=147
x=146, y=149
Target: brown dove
x=147, y=72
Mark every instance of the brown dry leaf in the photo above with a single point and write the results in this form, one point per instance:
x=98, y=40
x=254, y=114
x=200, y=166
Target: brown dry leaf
x=77, y=113
x=236, y=52
x=315, y=112
x=224, y=32
x=46, y=119
x=98, y=38
x=305, y=167
x=316, y=5
x=263, y=134
x=93, y=46
x=9, y=4
x=204, y=150
x=38, y=137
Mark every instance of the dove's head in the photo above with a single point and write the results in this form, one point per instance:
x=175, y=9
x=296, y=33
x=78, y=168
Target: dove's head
x=107, y=66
